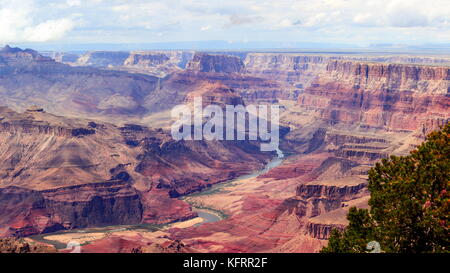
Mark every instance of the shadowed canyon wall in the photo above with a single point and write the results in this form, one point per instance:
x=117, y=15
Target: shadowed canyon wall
x=344, y=112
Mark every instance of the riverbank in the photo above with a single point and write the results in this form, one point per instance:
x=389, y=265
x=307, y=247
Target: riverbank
x=221, y=187
x=205, y=215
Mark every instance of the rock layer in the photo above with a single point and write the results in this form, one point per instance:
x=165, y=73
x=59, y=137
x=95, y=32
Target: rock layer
x=344, y=112
x=390, y=97
x=62, y=173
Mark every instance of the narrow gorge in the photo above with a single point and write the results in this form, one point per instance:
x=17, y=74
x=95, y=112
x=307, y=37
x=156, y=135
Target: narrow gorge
x=96, y=149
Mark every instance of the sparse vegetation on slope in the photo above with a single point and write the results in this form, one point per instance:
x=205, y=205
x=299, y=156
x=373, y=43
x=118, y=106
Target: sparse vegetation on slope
x=409, y=203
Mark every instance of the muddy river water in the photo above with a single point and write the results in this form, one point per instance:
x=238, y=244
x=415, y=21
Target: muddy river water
x=208, y=215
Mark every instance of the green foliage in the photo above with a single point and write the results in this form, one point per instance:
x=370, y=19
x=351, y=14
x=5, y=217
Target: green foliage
x=409, y=203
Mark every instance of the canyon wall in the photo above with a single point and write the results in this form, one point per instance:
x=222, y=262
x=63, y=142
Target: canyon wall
x=388, y=96
x=155, y=63
x=28, y=78
x=63, y=173
x=295, y=69
x=344, y=113
x=215, y=63
x=347, y=115
x=362, y=112
x=26, y=212
x=102, y=58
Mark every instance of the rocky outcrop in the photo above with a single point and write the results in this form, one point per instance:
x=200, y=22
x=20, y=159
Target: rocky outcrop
x=340, y=139
x=320, y=227
x=204, y=62
x=155, y=62
x=61, y=173
x=215, y=93
x=28, y=212
x=13, y=245
x=398, y=77
x=62, y=57
x=385, y=96
x=368, y=152
x=322, y=197
x=322, y=231
x=343, y=193
x=295, y=69
x=148, y=59
x=344, y=112
x=18, y=56
x=175, y=246
x=103, y=58
x=183, y=167
x=405, y=59
x=27, y=123
x=300, y=69
x=28, y=78
x=251, y=89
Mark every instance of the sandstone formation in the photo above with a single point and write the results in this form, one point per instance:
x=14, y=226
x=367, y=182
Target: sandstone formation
x=342, y=113
x=292, y=68
x=102, y=58
x=155, y=63
x=60, y=173
x=348, y=114
x=28, y=78
x=215, y=63
x=12, y=245
x=392, y=97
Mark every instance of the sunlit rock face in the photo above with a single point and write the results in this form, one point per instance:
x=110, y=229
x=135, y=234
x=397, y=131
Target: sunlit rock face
x=28, y=78
x=113, y=161
x=346, y=115
x=64, y=173
x=388, y=96
x=203, y=62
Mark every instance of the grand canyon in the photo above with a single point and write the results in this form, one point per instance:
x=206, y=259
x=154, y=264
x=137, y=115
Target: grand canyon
x=87, y=153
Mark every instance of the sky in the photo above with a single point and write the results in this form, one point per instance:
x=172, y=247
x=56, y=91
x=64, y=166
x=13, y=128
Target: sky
x=359, y=22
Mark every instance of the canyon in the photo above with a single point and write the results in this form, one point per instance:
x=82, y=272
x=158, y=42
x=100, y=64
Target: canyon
x=63, y=173
x=97, y=151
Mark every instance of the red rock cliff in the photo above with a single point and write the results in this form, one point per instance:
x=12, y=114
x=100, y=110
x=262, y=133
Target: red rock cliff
x=388, y=96
x=216, y=63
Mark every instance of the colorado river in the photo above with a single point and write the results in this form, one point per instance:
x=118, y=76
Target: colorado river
x=210, y=215
x=207, y=216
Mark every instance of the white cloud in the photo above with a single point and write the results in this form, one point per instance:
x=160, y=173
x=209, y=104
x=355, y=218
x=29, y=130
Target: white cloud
x=73, y=3
x=18, y=24
x=48, y=31
x=406, y=14
x=205, y=28
x=141, y=20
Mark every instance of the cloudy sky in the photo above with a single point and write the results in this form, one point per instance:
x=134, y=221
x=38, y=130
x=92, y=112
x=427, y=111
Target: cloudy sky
x=359, y=22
